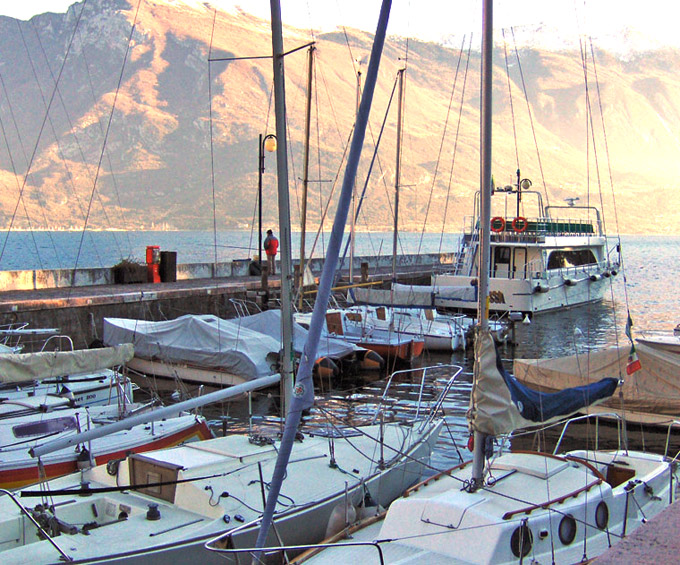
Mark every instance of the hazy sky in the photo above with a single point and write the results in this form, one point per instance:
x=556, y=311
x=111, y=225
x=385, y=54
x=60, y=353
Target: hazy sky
x=434, y=19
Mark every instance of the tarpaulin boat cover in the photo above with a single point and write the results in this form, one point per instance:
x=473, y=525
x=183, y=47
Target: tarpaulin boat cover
x=413, y=296
x=200, y=340
x=652, y=391
x=501, y=404
x=269, y=323
x=25, y=367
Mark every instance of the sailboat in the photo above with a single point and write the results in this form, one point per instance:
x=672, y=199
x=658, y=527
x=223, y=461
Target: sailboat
x=507, y=507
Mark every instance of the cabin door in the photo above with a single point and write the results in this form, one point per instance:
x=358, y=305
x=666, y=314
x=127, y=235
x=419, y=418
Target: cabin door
x=519, y=264
x=501, y=263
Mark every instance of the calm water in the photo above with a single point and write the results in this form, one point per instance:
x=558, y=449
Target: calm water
x=650, y=294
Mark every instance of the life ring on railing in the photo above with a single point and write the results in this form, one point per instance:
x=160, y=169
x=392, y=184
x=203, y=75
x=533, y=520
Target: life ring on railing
x=497, y=224
x=520, y=224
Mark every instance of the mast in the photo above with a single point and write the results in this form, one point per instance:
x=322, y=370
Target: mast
x=305, y=171
x=353, y=217
x=397, y=174
x=303, y=397
x=284, y=209
x=484, y=217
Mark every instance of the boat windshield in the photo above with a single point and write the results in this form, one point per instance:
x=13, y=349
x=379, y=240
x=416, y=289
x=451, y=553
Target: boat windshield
x=563, y=258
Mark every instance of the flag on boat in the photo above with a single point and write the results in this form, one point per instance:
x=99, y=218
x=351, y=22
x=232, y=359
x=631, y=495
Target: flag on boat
x=629, y=325
x=633, y=361
x=500, y=404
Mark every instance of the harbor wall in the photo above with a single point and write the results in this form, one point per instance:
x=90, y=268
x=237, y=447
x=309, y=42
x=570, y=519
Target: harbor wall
x=65, y=278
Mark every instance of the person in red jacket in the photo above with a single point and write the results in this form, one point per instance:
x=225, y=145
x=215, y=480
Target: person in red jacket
x=271, y=246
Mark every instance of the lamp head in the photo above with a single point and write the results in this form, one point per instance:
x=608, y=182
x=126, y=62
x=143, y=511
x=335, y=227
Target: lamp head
x=270, y=143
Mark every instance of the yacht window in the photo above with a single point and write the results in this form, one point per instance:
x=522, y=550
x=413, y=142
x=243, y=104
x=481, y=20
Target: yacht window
x=54, y=425
x=563, y=258
x=502, y=255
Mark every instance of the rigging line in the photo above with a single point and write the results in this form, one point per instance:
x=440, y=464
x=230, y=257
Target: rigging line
x=16, y=177
x=368, y=176
x=42, y=125
x=212, y=144
x=531, y=117
x=75, y=137
x=41, y=203
x=512, y=106
x=457, y=136
x=108, y=129
x=112, y=176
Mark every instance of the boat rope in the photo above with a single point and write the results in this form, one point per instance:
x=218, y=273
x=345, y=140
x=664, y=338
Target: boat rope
x=530, y=114
x=106, y=136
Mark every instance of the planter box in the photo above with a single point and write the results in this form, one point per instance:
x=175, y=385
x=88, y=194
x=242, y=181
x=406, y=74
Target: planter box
x=129, y=274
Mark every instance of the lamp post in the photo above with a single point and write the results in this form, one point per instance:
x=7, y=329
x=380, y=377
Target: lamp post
x=267, y=143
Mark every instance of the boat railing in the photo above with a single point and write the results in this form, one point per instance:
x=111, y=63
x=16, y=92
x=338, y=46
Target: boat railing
x=424, y=374
x=226, y=552
x=45, y=535
x=523, y=229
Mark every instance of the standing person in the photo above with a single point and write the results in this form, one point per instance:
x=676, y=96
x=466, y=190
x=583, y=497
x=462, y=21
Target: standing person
x=271, y=246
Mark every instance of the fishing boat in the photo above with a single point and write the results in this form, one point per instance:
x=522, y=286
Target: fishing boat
x=354, y=327
x=50, y=380
x=665, y=342
x=507, y=507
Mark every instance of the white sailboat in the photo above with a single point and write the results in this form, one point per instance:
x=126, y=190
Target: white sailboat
x=508, y=507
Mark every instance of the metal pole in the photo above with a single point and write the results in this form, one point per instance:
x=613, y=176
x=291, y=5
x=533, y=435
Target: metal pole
x=260, y=171
x=397, y=175
x=484, y=218
x=305, y=173
x=304, y=386
x=284, y=210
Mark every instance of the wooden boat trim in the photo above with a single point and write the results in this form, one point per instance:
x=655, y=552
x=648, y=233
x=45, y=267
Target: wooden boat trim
x=558, y=500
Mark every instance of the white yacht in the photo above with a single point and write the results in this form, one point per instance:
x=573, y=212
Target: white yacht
x=553, y=260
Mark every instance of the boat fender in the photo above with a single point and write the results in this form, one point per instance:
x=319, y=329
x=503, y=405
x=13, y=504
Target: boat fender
x=540, y=288
x=497, y=224
x=344, y=514
x=520, y=224
x=595, y=277
x=569, y=282
x=614, y=272
x=606, y=274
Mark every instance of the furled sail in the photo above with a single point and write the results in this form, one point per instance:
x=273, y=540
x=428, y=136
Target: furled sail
x=500, y=403
x=22, y=367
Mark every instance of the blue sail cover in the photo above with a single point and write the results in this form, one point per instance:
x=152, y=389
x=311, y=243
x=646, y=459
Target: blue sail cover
x=542, y=406
x=500, y=404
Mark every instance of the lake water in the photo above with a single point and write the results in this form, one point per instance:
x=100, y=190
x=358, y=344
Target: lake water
x=650, y=293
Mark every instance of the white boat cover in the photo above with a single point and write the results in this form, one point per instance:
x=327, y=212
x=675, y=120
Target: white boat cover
x=23, y=367
x=654, y=390
x=200, y=340
x=414, y=296
x=269, y=323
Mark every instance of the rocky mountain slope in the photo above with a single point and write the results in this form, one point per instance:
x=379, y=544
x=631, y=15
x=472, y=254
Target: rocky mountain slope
x=144, y=131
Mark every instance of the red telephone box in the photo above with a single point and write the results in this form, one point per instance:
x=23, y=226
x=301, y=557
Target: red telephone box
x=153, y=261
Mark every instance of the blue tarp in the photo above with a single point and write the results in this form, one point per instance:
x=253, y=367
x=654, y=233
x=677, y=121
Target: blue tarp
x=542, y=406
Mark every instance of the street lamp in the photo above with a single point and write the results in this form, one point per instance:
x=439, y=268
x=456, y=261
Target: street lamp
x=267, y=143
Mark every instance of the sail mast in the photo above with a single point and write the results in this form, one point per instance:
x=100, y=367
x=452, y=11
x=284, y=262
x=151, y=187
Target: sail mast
x=397, y=175
x=303, y=396
x=284, y=212
x=484, y=217
x=305, y=171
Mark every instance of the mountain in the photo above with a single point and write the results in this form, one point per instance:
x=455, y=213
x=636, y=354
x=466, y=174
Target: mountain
x=181, y=143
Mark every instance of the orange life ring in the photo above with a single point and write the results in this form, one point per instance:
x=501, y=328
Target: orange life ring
x=497, y=224
x=520, y=224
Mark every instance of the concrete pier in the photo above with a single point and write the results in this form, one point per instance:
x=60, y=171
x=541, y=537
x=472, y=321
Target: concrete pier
x=657, y=541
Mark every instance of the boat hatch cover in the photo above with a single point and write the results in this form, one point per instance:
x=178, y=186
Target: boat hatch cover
x=539, y=466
